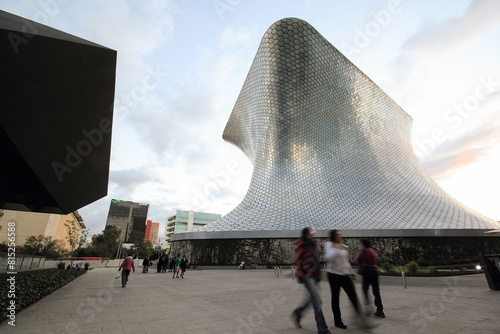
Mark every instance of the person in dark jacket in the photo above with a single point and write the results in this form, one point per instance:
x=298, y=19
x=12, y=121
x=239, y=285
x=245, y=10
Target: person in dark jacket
x=172, y=264
x=368, y=258
x=165, y=264
x=159, y=265
x=307, y=268
x=183, y=265
x=145, y=264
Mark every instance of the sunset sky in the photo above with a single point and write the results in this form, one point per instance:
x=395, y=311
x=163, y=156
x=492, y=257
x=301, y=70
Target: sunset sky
x=437, y=59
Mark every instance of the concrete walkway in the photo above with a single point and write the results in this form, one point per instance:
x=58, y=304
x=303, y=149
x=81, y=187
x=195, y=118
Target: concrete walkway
x=246, y=301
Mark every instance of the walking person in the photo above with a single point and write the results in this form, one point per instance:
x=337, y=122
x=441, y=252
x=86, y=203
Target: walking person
x=159, y=265
x=145, y=264
x=127, y=265
x=171, y=264
x=367, y=258
x=177, y=263
x=183, y=265
x=165, y=265
x=307, y=267
x=340, y=275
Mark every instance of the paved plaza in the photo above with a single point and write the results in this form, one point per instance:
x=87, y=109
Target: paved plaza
x=250, y=301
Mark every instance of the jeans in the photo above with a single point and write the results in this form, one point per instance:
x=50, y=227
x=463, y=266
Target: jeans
x=125, y=274
x=371, y=278
x=313, y=298
x=344, y=282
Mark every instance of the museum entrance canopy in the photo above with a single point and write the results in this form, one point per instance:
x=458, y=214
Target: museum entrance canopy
x=57, y=95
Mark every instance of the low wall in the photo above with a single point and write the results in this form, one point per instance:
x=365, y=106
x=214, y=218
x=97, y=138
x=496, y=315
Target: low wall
x=426, y=250
x=81, y=263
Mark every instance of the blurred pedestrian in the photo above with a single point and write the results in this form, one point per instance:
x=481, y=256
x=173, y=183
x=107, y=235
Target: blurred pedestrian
x=367, y=259
x=145, y=264
x=177, y=263
x=127, y=265
x=165, y=265
x=172, y=264
x=340, y=275
x=307, y=268
x=159, y=265
x=183, y=265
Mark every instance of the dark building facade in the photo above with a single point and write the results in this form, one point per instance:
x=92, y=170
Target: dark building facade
x=129, y=217
x=57, y=93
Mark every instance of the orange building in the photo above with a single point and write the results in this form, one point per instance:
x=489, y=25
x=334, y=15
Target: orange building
x=151, y=232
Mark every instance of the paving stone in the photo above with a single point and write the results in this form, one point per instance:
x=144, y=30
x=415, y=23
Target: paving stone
x=224, y=301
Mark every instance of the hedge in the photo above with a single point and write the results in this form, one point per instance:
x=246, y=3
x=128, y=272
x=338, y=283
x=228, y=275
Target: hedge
x=32, y=286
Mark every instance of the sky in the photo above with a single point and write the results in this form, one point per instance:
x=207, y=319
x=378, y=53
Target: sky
x=181, y=65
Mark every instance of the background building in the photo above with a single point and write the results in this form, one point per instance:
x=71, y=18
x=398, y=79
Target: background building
x=128, y=216
x=185, y=221
x=152, y=232
x=34, y=224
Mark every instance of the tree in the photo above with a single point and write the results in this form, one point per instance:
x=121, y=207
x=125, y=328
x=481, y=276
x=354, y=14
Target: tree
x=83, y=238
x=43, y=246
x=106, y=244
x=144, y=248
x=74, y=235
x=141, y=247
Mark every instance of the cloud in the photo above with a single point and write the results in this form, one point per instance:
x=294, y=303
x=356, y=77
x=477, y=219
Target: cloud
x=480, y=19
x=437, y=43
x=463, y=151
x=242, y=36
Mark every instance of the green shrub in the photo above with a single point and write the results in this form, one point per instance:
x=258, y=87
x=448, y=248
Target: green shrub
x=412, y=267
x=60, y=265
x=387, y=266
x=432, y=269
x=34, y=285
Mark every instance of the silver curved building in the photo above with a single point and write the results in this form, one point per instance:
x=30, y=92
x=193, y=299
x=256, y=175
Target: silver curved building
x=330, y=150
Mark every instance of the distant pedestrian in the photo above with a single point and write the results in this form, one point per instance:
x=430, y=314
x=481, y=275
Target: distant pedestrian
x=183, y=265
x=145, y=264
x=171, y=264
x=307, y=267
x=165, y=265
x=368, y=259
x=160, y=265
x=127, y=265
x=341, y=275
x=177, y=263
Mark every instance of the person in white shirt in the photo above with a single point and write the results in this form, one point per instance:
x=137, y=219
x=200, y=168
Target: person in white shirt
x=340, y=275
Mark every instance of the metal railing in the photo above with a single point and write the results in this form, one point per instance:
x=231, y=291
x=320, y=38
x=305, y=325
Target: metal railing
x=23, y=261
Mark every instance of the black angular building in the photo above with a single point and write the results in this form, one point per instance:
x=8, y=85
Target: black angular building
x=56, y=112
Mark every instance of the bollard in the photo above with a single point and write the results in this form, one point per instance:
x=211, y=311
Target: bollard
x=281, y=270
x=404, y=279
x=293, y=276
x=278, y=272
x=275, y=271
